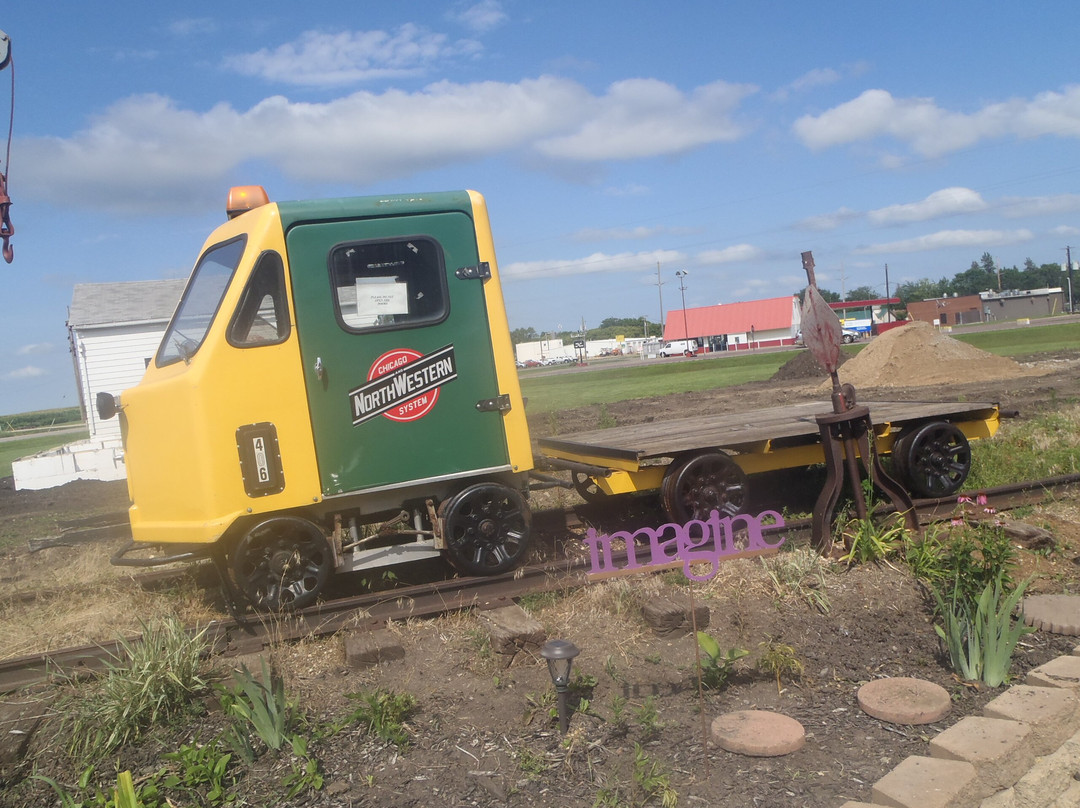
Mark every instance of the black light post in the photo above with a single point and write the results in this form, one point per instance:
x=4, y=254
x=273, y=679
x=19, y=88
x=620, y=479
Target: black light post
x=560, y=658
x=681, y=275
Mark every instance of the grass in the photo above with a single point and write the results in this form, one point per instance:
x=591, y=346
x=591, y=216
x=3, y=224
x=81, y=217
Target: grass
x=652, y=378
x=11, y=450
x=1023, y=341
x=1045, y=446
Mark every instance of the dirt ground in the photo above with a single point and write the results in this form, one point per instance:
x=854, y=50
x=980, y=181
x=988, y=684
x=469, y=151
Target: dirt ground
x=481, y=734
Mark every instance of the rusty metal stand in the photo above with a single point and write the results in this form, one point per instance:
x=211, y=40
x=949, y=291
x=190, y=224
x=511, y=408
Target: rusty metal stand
x=845, y=439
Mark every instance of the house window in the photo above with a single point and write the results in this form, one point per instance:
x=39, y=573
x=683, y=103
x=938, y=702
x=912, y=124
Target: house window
x=386, y=285
x=944, y=317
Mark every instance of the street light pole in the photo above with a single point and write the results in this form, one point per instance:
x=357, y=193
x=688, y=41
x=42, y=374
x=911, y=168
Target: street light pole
x=681, y=275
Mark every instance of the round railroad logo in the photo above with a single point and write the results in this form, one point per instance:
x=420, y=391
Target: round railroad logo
x=413, y=408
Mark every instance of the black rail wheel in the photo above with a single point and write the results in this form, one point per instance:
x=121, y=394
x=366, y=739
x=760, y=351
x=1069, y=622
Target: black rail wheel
x=486, y=528
x=281, y=563
x=587, y=488
x=696, y=486
x=934, y=460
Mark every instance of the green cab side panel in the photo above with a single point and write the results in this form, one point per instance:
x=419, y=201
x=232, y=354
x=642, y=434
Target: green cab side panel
x=449, y=365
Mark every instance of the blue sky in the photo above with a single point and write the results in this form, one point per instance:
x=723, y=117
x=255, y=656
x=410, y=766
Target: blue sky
x=718, y=138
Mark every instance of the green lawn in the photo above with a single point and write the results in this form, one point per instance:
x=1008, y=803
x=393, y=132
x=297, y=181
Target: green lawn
x=1024, y=340
x=14, y=449
x=636, y=378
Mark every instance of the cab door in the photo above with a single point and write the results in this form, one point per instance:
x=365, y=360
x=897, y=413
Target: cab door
x=396, y=349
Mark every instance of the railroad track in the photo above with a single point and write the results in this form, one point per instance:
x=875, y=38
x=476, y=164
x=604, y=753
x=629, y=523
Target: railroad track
x=252, y=633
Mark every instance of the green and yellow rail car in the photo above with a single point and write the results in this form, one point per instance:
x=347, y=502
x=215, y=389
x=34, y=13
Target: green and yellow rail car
x=335, y=391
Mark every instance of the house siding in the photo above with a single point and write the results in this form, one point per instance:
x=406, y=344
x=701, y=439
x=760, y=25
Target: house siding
x=111, y=360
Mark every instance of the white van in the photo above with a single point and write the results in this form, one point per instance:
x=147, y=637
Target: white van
x=679, y=347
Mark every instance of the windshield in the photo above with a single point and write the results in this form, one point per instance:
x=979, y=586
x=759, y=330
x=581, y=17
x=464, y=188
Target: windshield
x=201, y=299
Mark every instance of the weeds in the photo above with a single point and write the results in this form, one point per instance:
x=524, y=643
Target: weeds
x=383, y=713
x=717, y=665
x=152, y=681
x=801, y=574
x=869, y=542
x=779, y=660
x=261, y=705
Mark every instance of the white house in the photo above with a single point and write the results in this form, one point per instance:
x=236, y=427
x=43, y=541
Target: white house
x=113, y=331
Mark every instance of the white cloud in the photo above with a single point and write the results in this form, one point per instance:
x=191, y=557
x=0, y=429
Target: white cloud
x=629, y=233
x=737, y=252
x=951, y=238
x=28, y=372
x=350, y=57
x=482, y=17
x=34, y=348
x=646, y=117
x=819, y=77
x=828, y=221
x=147, y=155
x=595, y=263
x=1022, y=207
x=193, y=26
x=931, y=131
x=946, y=202
x=1066, y=230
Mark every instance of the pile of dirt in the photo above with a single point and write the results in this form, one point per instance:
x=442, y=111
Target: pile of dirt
x=918, y=355
x=803, y=366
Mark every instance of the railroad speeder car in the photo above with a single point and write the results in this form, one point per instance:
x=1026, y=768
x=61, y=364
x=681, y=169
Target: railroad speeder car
x=336, y=391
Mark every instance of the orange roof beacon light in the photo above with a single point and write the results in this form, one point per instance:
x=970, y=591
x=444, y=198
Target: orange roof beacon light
x=243, y=198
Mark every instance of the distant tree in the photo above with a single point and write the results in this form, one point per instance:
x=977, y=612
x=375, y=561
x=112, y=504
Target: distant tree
x=862, y=293
x=519, y=335
x=611, y=327
x=924, y=289
x=827, y=295
x=987, y=264
x=974, y=280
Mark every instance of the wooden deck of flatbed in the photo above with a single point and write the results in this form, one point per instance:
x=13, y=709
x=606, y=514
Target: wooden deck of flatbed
x=748, y=432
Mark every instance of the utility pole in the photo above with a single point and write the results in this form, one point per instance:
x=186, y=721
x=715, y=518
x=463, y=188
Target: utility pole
x=1068, y=275
x=659, y=287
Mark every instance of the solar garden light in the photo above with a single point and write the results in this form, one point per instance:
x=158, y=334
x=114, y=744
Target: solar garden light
x=560, y=658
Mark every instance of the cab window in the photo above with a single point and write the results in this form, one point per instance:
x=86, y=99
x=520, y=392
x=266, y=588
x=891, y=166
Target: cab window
x=385, y=285
x=262, y=315
x=200, y=302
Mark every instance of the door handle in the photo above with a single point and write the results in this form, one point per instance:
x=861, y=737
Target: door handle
x=319, y=367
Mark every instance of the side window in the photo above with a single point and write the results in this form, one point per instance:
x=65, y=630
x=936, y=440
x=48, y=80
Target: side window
x=262, y=315
x=384, y=285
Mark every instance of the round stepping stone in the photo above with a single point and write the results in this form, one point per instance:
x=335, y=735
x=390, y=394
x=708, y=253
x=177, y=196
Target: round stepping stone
x=758, y=733
x=1058, y=614
x=903, y=700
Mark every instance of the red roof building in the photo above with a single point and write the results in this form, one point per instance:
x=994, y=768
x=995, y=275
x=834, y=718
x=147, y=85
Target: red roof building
x=737, y=326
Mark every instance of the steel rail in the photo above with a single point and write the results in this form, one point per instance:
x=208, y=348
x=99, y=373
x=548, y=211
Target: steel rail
x=373, y=610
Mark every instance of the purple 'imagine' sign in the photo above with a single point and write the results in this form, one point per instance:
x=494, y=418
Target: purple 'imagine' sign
x=696, y=542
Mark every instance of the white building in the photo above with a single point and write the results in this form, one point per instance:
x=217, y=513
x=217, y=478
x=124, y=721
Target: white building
x=113, y=331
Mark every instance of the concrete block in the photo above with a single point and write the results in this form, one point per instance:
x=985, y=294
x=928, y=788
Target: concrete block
x=1062, y=671
x=1000, y=750
x=1070, y=798
x=1050, y=777
x=1003, y=799
x=364, y=649
x=1051, y=712
x=512, y=629
x=923, y=782
x=669, y=616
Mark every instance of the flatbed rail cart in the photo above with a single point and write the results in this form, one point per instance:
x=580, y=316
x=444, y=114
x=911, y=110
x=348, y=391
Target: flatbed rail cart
x=703, y=463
